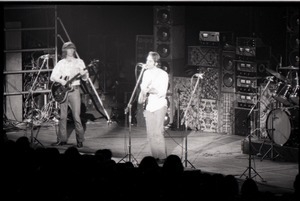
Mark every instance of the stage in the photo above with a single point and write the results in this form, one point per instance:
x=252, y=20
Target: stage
x=208, y=152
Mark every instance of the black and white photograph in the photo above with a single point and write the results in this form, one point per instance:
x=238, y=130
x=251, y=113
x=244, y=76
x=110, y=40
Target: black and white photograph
x=150, y=100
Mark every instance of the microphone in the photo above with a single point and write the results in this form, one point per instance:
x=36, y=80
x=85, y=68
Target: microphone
x=269, y=78
x=142, y=65
x=199, y=75
x=44, y=56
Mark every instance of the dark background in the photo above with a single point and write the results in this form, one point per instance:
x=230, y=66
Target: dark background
x=124, y=22
x=119, y=25
x=108, y=31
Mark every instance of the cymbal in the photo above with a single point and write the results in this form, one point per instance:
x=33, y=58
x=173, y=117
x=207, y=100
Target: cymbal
x=289, y=68
x=276, y=74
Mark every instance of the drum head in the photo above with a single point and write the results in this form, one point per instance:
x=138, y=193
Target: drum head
x=278, y=121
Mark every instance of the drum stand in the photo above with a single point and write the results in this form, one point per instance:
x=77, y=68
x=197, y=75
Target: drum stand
x=271, y=149
x=250, y=168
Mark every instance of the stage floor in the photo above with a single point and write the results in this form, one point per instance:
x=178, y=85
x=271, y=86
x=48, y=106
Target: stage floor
x=209, y=152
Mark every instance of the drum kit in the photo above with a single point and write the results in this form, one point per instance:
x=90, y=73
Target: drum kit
x=282, y=121
x=287, y=91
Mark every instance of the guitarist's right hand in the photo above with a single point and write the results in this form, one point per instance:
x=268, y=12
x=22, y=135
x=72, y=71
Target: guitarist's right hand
x=141, y=98
x=63, y=82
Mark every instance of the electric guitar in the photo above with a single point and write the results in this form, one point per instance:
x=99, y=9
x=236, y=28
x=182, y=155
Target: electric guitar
x=60, y=92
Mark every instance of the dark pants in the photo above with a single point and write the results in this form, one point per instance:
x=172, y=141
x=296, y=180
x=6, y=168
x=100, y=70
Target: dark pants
x=74, y=102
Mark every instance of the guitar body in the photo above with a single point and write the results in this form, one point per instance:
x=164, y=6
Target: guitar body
x=60, y=92
x=143, y=99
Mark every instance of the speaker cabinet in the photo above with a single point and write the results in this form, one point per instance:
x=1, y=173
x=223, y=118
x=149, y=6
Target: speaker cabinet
x=169, y=41
x=169, y=15
x=241, y=123
x=228, y=77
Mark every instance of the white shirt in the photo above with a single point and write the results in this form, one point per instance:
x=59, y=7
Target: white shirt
x=158, y=79
x=65, y=68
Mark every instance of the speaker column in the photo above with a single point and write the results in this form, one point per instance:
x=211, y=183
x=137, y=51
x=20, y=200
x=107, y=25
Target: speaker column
x=169, y=42
x=246, y=85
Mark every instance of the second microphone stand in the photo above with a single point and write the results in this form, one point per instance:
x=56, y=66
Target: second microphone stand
x=186, y=161
x=250, y=168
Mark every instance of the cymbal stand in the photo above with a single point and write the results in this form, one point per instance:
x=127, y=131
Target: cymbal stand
x=294, y=94
x=271, y=149
x=250, y=168
x=178, y=109
x=128, y=111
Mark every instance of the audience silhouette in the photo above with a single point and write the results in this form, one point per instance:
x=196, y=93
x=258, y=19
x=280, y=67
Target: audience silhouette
x=46, y=174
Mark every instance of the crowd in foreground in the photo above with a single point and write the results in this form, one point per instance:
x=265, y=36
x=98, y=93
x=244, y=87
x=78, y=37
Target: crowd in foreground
x=46, y=174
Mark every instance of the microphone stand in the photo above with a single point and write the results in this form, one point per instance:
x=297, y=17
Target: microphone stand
x=100, y=101
x=178, y=109
x=128, y=111
x=249, y=168
x=185, y=121
x=32, y=138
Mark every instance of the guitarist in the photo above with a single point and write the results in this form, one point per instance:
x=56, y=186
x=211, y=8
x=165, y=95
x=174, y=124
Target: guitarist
x=67, y=68
x=154, y=88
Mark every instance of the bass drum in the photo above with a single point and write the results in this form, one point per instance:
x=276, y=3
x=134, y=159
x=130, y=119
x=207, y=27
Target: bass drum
x=284, y=124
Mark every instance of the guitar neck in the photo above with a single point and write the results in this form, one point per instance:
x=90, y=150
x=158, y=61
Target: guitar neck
x=73, y=78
